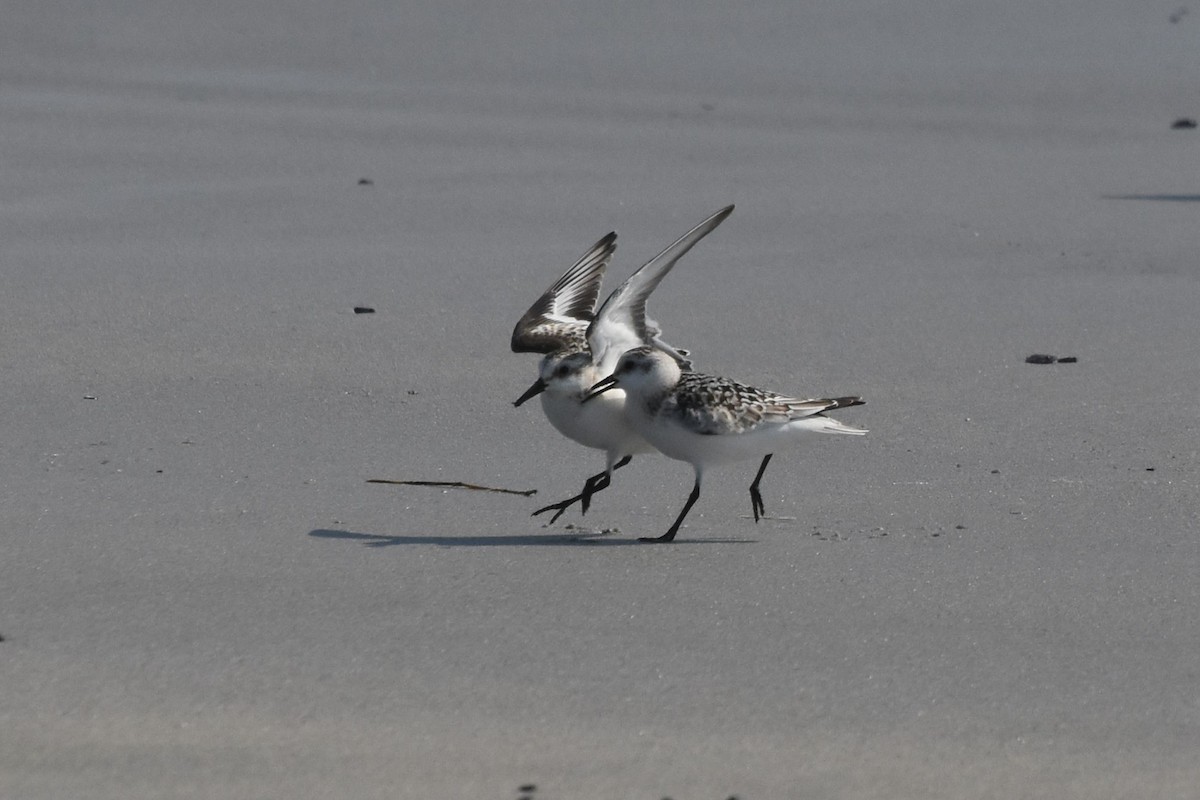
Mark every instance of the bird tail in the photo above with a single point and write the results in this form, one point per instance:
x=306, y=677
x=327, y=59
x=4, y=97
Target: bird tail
x=835, y=426
x=832, y=425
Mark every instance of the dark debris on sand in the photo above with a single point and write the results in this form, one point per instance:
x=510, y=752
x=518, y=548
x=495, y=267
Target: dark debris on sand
x=1042, y=358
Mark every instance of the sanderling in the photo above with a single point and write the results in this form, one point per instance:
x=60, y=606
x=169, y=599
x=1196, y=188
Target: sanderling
x=706, y=420
x=582, y=345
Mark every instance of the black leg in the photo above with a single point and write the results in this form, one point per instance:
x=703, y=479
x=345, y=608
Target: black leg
x=594, y=484
x=597, y=483
x=670, y=535
x=756, y=502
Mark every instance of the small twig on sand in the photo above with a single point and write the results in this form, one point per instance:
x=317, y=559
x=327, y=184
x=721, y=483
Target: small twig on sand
x=457, y=485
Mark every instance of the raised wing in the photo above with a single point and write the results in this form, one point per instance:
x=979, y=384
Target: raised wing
x=621, y=324
x=560, y=317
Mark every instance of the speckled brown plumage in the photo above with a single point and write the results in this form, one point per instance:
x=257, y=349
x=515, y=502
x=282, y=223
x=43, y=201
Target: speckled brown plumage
x=712, y=405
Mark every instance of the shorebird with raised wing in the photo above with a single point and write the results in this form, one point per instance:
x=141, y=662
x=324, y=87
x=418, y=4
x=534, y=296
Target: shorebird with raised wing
x=581, y=345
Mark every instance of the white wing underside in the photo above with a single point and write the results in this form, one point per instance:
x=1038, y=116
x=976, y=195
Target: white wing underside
x=621, y=322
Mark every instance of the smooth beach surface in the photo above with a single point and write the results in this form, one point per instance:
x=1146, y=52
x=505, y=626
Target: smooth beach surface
x=994, y=594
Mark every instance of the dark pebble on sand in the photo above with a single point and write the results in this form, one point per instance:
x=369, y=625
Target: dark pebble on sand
x=363, y=310
x=1183, y=124
x=1042, y=358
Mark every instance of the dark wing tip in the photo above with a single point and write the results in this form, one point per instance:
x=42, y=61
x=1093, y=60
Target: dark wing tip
x=572, y=297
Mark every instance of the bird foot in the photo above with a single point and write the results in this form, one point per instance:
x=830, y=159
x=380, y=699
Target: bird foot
x=559, y=508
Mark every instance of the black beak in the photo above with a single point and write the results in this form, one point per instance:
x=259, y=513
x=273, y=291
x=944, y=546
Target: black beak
x=600, y=388
x=538, y=387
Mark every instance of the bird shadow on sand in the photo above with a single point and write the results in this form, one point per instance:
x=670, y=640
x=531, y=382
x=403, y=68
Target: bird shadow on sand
x=581, y=539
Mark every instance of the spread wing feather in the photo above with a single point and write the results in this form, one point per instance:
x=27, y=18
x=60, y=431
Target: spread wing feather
x=559, y=319
x=621, y=324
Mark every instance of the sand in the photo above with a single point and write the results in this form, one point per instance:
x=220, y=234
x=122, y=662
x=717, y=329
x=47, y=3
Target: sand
x=992, y=595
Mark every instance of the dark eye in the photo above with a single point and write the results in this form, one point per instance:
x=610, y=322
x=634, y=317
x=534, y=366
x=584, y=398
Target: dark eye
x=562, y=371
